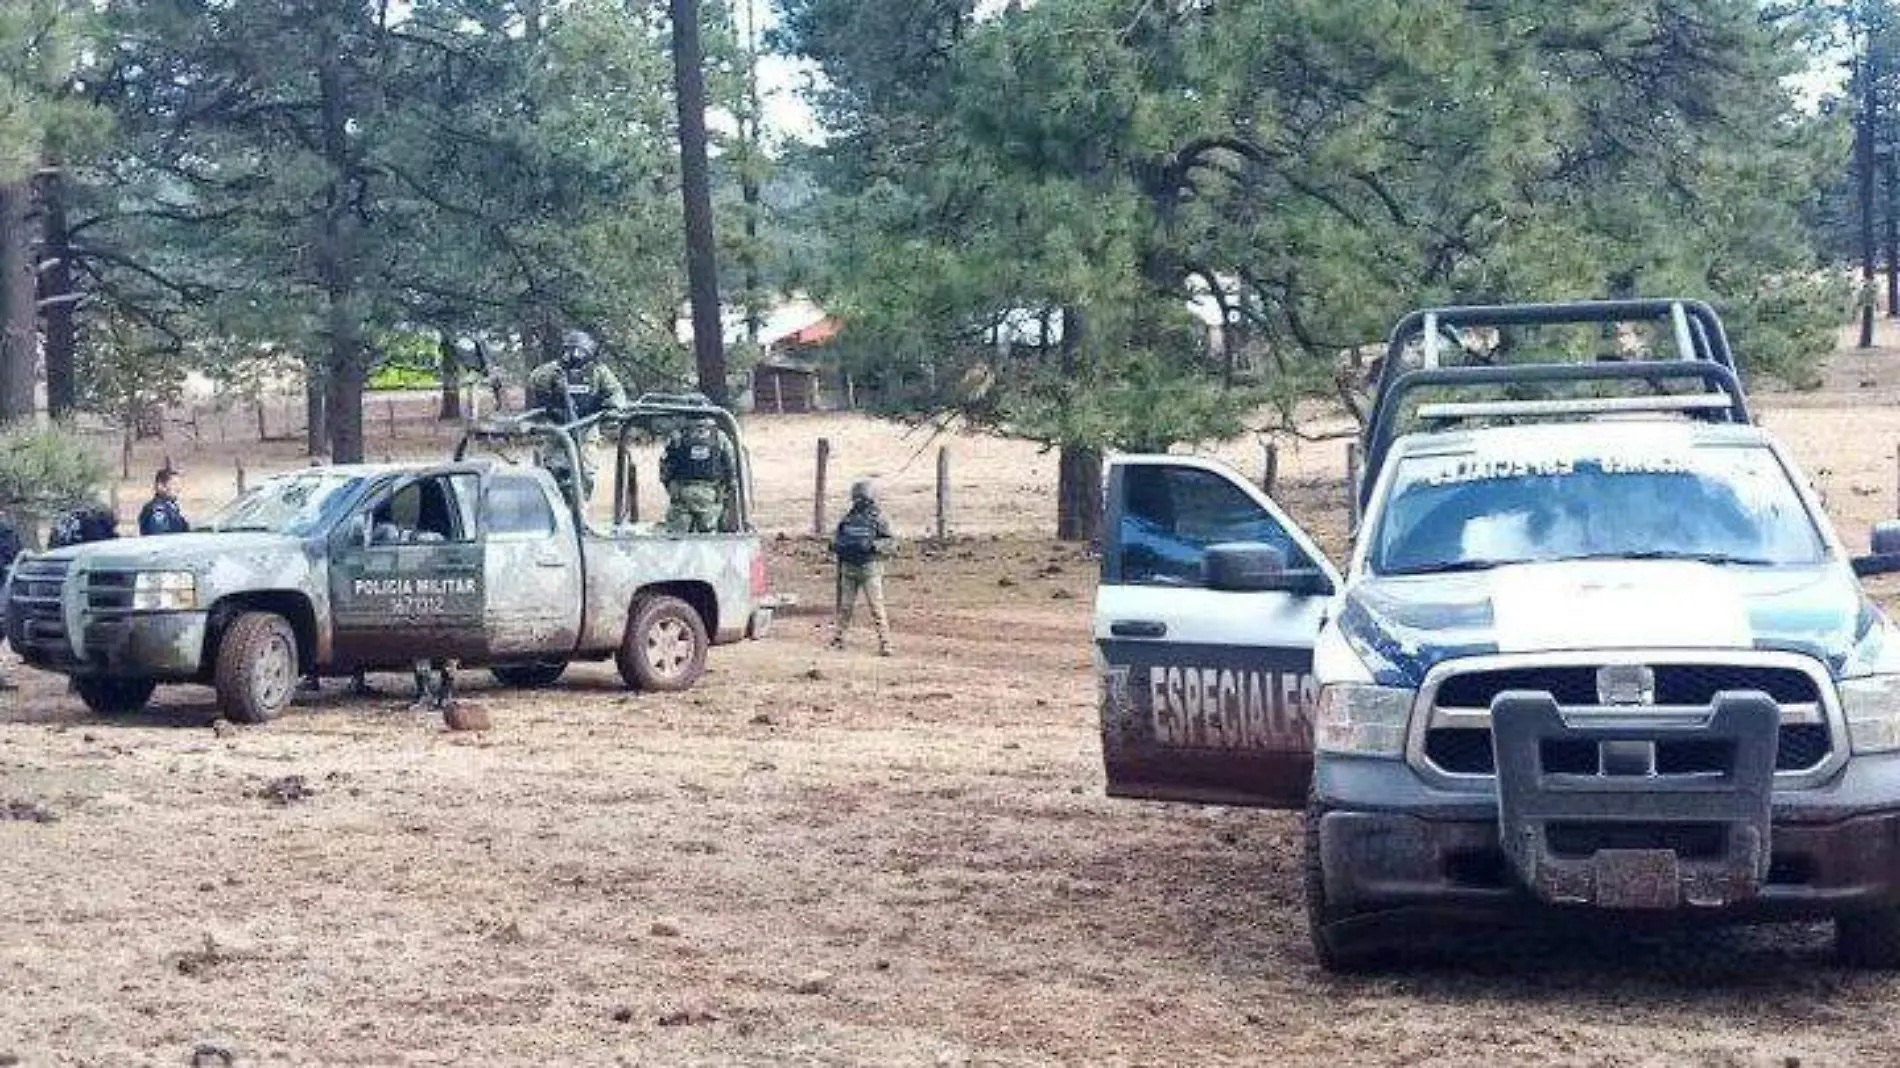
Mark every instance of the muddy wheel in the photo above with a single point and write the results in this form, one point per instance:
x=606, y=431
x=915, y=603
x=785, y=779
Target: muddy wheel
x=529, y=676
x=114, y=697
x=257, y=673
x=665, y=646
x=1869, y=939
x=1338, y=948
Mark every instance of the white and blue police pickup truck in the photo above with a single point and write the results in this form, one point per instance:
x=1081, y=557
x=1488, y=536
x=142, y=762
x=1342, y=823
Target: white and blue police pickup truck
x=1592, y=654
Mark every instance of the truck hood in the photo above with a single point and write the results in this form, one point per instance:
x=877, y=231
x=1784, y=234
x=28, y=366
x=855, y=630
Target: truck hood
x=1403, y=626
x=181, y=552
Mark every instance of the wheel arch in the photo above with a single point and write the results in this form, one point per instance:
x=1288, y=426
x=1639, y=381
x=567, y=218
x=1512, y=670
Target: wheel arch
x=294, y=606
x=697, y=595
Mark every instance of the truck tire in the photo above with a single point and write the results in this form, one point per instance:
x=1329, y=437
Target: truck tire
x=257, y=672
x=532, y=675
x=1338, y=949
x=665, y=646
x=1869, y=940
x=114, y=697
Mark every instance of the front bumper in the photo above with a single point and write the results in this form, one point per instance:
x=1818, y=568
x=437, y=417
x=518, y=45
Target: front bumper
x=1391, y=842
x=165, y=646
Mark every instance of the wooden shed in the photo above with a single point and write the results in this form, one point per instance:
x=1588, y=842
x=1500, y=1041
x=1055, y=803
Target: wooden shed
x=782, y=384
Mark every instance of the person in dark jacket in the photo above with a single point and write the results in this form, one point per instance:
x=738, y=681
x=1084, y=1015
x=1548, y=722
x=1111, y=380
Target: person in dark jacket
x=9, y=548
x=862, y=541
x=160, y=514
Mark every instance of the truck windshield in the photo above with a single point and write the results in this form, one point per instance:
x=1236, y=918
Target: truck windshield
x=1722, y=504
x=298, y=505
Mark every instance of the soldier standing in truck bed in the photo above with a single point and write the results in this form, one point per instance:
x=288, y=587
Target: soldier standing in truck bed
x=574, y=387
x=697, y=468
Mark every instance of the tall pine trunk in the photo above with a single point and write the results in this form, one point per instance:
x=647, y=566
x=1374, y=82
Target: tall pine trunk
x=57, y=298
x=749, y=183
x=18, y=315
x=345, y=364
x=1079, y=494
x=702, y=273
x=1892, y=181
x=1079, y=467
x=316, y=409
x=343, y=401
x=1868, y=119
x=451, y=409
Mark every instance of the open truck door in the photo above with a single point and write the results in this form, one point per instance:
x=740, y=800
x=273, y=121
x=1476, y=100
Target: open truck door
x=406, y=573
x=1209, y=605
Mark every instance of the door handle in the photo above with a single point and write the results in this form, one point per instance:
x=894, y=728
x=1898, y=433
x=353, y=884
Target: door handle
x=1138, y=628
x=549, y=561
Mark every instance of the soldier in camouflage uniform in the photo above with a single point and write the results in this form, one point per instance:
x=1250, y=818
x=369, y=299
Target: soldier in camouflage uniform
x=862, y=541
x=574, y=387
x=698, y=469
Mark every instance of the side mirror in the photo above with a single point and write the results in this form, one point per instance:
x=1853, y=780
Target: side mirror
x=1886, y=555
x=1252, y=567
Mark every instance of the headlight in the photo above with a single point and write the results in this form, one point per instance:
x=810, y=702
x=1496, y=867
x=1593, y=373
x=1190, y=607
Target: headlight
x=1361, y=720
x=1872, y=707
x=164, y=591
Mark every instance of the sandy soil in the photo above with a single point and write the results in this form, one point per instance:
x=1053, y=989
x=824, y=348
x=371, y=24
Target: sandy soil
x=813, y=858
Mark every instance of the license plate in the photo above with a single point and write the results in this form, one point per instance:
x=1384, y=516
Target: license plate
x=1637, y=879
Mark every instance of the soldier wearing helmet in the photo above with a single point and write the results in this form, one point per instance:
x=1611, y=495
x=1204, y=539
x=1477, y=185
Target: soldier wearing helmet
x=698, y=469
x=861, y=543
x=571, y=388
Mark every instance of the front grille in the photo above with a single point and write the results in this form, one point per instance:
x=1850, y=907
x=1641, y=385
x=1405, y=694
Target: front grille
x=1676, y=684
x=1467, y=751
x=1464, y=748
x=1461, y=750
x=109, y=591
x=35, y=615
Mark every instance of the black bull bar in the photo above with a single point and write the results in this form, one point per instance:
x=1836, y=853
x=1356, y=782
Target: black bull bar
x=1631, y=832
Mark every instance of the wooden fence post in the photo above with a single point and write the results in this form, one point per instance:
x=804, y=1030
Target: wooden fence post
x=1270, y=474
x=389, y=406
x=240, y=475
x=943, y=493
x=818, y=489
x=1354, y=462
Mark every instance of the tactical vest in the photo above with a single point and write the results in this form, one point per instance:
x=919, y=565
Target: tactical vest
x=580, y=390
x=698, y=460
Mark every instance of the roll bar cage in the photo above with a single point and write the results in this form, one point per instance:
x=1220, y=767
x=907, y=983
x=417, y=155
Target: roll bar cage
x=651, y=412
x=1703, y=356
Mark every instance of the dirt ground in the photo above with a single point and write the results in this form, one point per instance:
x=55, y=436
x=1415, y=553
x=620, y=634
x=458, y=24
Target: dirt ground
x=813, y=858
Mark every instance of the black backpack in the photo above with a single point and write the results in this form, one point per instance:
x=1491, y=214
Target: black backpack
x=82, y=526
x=68, y=529
x=856, y=539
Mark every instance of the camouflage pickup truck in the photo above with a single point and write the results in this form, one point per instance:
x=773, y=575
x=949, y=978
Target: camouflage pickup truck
x=364, y=567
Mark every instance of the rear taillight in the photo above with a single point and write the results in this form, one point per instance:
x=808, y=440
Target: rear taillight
x=758, y=576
